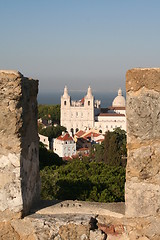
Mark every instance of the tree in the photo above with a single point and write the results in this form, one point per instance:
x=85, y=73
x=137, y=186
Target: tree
x=83, y=180
x=48, y=158
x=97, y=152
x=52, y=132
x=49, y=112
x=115, y=147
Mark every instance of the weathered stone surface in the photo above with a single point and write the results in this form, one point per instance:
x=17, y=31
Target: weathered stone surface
x=145, y=198
x=80, y=207
x=144, y=164
x=19, y=178
x=7, y=232
x=143, y=115
x=96, y=235
x=19, y=142
x=73, y=231
x=143, y=141
x=138, y=78
x=76, y=226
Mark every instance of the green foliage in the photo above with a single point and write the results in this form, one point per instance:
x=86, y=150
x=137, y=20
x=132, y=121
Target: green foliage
x=97, y=152
x=101, y=177
x=52, y=132
x=49, y=112
x=48, y=158
x=115, y=147
x=83, y=180
x=112, y=150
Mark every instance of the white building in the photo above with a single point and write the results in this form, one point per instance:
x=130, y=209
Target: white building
x=44, y=140
x=87, y=113
x=64, y=145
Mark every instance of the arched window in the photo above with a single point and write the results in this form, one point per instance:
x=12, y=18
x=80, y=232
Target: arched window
x=65, y=103
x=77, y=129
x=89, y=103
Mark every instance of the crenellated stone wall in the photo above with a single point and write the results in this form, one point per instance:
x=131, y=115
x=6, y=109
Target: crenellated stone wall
x=142, y=195
x=19, y=153
x=75, y=220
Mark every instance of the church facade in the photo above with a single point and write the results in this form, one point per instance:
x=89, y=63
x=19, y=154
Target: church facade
x=87, y=113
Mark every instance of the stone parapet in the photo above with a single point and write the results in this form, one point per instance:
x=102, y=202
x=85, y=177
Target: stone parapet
x=142, y=195
x=19, y=163
x=49, y=222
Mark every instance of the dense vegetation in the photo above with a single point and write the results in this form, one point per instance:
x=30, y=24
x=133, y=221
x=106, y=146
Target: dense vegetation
x=100, y=177
x=113, y=150
x=49, y=112
x=83, y=180
x=52, y=131
x=48, y=158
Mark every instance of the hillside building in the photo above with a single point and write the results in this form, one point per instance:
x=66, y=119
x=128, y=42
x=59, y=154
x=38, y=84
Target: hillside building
x=87, y=113
x=64, y=145
x=43, y=139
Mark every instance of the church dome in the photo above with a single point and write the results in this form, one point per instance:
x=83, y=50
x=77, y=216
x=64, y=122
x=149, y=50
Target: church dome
x=119, y=101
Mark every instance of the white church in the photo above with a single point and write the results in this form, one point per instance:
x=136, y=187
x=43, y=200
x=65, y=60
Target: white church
x=87, y=113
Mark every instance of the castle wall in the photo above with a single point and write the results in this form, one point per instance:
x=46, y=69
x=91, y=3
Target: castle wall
x=19, y=178
x=142, y=194
x=19, y=163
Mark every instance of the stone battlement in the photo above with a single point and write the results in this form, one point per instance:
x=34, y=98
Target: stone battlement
x=138, y=218
x=19, y=163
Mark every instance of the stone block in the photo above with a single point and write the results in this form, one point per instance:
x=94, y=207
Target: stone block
x=138, y=78
x=96, y=235
x=143, y=115
x=19, y=142
x=144, y=164
x=143, y=199
x=143, y=140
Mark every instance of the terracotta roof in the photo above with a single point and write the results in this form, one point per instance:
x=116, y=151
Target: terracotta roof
x=65, y=137
x=75, y=156
x=91, y=134
x=80, y=133
x=70, y=158
x=112, y=114
x=116, y=108
x=83, y=149
x=100, y=140
x=67, y=158
x=82, y=100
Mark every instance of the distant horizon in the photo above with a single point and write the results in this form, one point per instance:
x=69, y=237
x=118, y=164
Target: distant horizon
x=55, y=97
x=79, y=43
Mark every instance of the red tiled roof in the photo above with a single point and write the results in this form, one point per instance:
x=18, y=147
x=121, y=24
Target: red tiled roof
x=116, y=108
x=83, y=149
x=75, y=156
x=66, y=137
x=67, y=158
x=70, y=158
x=82, y=100
x=100, y=140
x=79, y=133
x=91, y=134
x=112, y=114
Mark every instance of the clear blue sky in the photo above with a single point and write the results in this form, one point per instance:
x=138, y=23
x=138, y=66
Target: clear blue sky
x=79, y=42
